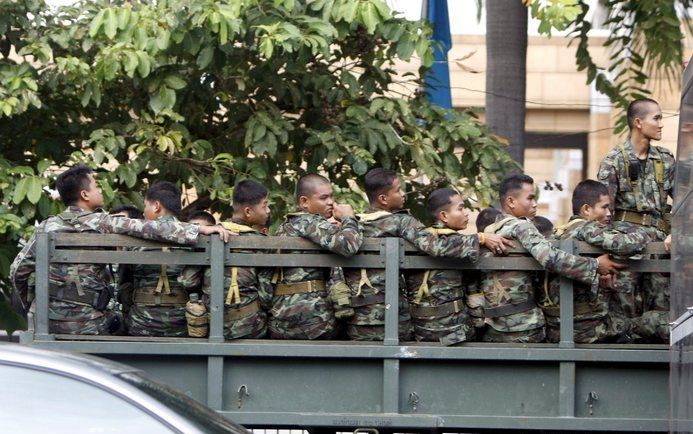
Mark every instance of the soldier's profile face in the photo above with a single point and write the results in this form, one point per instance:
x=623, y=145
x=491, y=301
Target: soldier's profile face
x=524, y=202
x=319, y=201
x=94, y=193
x=257, y=214
x=601, y=211
x=394, y=196
x=455, y=216
x=651, y=124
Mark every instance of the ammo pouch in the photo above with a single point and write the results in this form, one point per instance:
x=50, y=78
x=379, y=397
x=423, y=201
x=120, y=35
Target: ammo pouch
x=86, y=297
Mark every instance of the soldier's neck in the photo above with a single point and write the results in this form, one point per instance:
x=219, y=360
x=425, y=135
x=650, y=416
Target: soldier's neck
x=640, y=144
x=86, y=206
x=239, y=220
x=379, y=207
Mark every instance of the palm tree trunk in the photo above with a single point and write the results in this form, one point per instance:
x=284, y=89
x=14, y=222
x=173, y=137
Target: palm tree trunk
x=506, y=72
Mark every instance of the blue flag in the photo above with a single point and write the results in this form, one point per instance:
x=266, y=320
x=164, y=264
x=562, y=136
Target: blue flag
x=438, y=79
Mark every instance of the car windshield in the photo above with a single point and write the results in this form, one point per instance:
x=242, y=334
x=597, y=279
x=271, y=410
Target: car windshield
x=201, y=416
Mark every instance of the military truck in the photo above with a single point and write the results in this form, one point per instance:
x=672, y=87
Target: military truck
x=388, y=385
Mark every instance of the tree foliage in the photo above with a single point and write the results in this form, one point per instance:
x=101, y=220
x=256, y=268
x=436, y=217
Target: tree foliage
x=205, y=93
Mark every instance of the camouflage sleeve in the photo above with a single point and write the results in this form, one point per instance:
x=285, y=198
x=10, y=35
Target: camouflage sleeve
x=191, y=277
x=453, y=246
x=553, y=259
x=23, y=267
x=166, y=230
x=608, y=175
x=669, y=171
x=613, y=240
x=344, y=241
x=265, y=289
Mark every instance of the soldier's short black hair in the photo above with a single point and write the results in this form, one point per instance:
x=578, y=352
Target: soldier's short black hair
x=486, y=217
x=638, y=109
x=248, y=192
x=167, y=194
x=377, y=181
x=439, y=200
x=543, y=225
x=204, y=216
x=588, y=192
x=72, y=182
x=129, y=210
x=513, y=183
x=307, y=183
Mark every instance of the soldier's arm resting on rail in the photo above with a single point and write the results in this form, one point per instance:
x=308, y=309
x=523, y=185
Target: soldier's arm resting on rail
x=344, y=241
x=452, y=246
x=615, y=241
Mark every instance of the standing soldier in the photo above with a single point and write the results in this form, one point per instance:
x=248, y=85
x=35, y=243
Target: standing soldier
x=247, y=290
x=300, y=308
x=439, y=310
x=387, y=218
x=640, y=178
x=158, y=300
x=511, y=310
x=592, y=321
x=79, y=293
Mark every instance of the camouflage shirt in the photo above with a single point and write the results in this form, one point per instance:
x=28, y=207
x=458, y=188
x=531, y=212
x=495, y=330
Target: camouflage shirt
x=610, y=240
x=400, y=224
x=79, y=318
x=242, y=287
x=613, y=172
x=148, y=320
x=512, y=287
x=312, y=312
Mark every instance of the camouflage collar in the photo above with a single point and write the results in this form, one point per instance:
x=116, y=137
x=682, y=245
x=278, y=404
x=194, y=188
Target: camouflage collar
x=167, y=218
x=574, y=220
x=440, y=229
x=236, y=227
x=652, y=151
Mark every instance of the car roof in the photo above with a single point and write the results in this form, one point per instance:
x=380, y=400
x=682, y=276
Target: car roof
x=83, y=364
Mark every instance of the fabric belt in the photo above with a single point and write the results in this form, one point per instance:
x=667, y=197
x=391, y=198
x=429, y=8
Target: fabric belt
x=233, y=313
x=578, y=309
x=643, y=219
x=439, y=311
x=367, y=300
x=509, y=309
x=150, y=298
x=300, y=287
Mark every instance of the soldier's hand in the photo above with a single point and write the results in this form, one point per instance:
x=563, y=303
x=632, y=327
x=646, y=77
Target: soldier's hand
x=667, y=243
x=497, y=244
x=609, y=266
x=341, y=210
x=223, y=233
x=607, y=280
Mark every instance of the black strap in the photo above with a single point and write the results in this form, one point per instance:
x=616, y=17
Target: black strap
x=509, y=309
x=367, y=300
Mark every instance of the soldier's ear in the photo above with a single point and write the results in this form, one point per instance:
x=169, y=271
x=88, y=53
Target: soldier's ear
x=303, y=202
x=382, y=199
x=247, y=211
x=443, y=217
x=585, y=210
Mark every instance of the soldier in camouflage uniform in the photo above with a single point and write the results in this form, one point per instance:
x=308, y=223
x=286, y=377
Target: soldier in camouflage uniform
x=301, y=308
x=439, y=307
x=158, y=301
x=640, y=178
x=386, y=218
x=79, y=293
x=247, y=290
x=511, y=310
x=592, y=321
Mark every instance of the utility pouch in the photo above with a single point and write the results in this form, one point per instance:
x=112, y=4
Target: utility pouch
x=633, y=170
x=104, y=296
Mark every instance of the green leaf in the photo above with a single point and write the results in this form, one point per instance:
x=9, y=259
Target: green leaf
x=205, y=57
x=175, y=82
x=20, y=190
x=110, y=23
x=96, y=23
x=34, y=189
x=143, y=65
x=369, y=16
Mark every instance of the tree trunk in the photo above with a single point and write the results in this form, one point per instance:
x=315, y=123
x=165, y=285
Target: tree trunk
x=506, y=72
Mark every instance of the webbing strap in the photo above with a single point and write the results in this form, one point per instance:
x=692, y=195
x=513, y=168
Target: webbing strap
x=499, y=291
x=365, y=281
x=559, y=231
x=659, y=178
x=549, y=302
x=234, y=291
x=423, y=289
x=163, y=282
x=73, y=277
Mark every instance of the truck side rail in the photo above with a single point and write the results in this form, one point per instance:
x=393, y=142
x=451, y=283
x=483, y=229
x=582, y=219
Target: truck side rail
x=395, y=406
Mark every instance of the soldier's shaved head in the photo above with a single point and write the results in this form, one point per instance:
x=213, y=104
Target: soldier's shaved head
x=71, y=182
x=588, y=192
x=639, y=109
x=307, y=184
x=512, y=184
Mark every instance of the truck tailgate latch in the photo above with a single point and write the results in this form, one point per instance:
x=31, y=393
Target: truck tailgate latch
x=242, y=392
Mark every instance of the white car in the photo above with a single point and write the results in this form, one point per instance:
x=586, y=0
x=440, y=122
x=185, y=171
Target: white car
x=57, y=392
